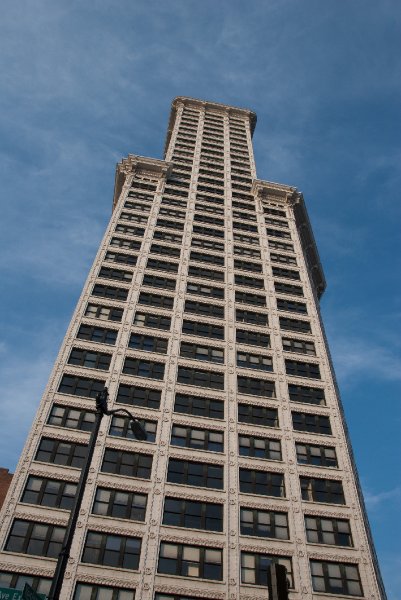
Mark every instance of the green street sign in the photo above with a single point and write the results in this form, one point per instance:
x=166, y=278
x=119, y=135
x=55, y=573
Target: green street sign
x=30, y=594
x=10, y=594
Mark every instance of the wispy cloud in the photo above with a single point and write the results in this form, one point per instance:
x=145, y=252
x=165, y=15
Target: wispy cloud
x=375, y=500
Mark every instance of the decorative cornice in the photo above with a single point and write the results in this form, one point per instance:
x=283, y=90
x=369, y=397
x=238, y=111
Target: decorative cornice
x=133, y=164
x=267, y=191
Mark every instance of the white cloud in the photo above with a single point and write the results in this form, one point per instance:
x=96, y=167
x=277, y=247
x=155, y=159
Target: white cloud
x=375, y=500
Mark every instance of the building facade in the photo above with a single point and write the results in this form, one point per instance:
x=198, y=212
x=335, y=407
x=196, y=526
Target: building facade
x=201, y=316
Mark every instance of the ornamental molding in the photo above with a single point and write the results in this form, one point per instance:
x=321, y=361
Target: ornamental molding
x=129, y=446
x=263, y=467
x=188, y=422
x=24, y=569
x=185, y=591
x=201, y=539
x=111, y=581
x=204, y=458
x=125, y=485
x=266, y=506
x=37, y=471
x=243, y=429
x=40, y=518
x=272, y=550
x=318, y=474
x=338, y=557
x=118, y=530
x=195, y=496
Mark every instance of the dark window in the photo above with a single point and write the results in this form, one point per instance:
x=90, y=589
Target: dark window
x=80, y=386
x=120, y=427
x=311, y=423
x=200, y=439
x=256, y=387
x=111, y=550
x=263, y=483
x=61, y=453
x=207, y=258
x=158, y=249
x=247, y=316
x=177, y=214
x=309, y=395
x=87, y=591
x=138, y=396
x=286, y=288
x=284, y=259
x=196, y=352
x=255, y=568
x=205, y=290
x=129, y=230
x=197, y=474
x=245, y=227
x=18, y=581
x=321, y=456
x=191, y=561
x=37, y=539
x=156, y=300
x=109, y=273
x=324, y=530
x=125, y=216
x=190, y=376
x=73, y=418
x=148, y=343
x=240, y=251
x=249, y=281
x=193, y=514
x=299, y=346
x=210, y=231
x=143, y=368
x=254, y=361
x=168, y=237
x=204, y=198
x=90, y=359
x=247, y=266
x=97, y=334
x=291, y=306
x=243, y=205
x=209, y=220
x=335, y=578
x=329, y=491
x=278, y=233
x=277, y=222
x=124, y=259
x=259, y=447
x=118, y=504
x=274, y=211
x=205, y=273
x=241, y=215
x=109, y=291
x=247, y=298
x=49, y=492
x=301, y=369
x=264, y=523
x=253, y=338
x=295, y=325
x=215, y=210
x=140, y=195
x=159, y=282
x=174, y=201
x=280, y=245
x=285, y=273
x=137, y=206
x=258, y=415
x=203, y=329
x=209, y=310
x=161, y=265
x=131, y=464
x=208, y=244
x=104, y=313
x=200, y=407
x=152, y=320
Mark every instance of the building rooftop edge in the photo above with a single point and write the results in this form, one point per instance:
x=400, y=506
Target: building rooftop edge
x=206, y=103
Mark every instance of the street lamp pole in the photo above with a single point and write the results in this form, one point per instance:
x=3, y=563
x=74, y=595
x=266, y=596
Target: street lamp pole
x=139, y=433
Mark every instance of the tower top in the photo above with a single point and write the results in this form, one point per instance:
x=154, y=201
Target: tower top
x=217, y=106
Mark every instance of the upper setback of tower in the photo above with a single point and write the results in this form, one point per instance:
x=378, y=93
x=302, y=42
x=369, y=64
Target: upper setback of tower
x=263, y=191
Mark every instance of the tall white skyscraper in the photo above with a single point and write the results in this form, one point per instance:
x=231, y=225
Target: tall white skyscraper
x=201, y=316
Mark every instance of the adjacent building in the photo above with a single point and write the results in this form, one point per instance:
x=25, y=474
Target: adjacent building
x=201, y=316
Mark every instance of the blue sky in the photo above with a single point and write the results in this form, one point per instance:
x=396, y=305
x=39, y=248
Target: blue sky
x=86, y=83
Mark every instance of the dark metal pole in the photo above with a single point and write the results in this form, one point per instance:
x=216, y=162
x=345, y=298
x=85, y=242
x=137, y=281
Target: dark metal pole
x=140, y=433
x=64, y=555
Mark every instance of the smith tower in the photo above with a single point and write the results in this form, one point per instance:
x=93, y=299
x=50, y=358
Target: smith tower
x=201, y=316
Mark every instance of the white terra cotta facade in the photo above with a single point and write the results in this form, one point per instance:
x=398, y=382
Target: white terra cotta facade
x=246, y=250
